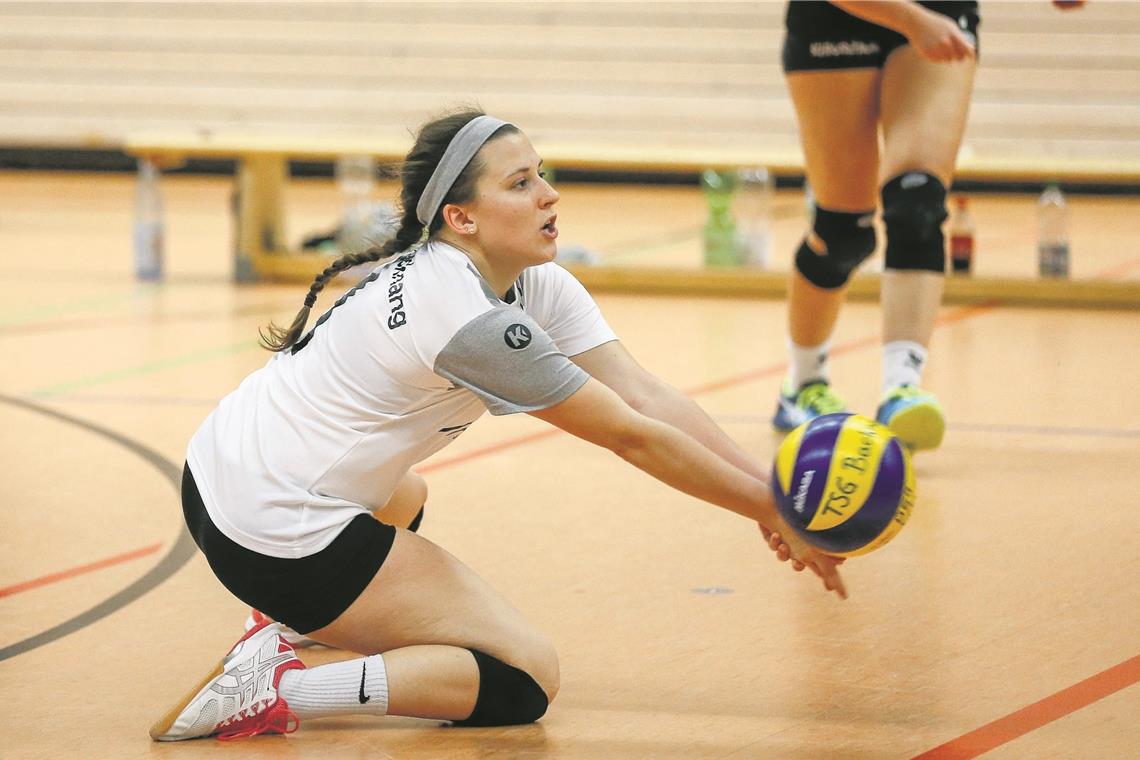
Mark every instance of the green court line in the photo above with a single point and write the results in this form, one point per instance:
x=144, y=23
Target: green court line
x=143, y=369
x=71, y=307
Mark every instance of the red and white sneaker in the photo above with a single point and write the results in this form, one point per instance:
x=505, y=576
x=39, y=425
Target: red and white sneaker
x=297, y=640
x=239, y=698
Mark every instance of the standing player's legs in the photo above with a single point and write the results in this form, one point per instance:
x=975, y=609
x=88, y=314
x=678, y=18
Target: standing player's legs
x=924, y=108
x=837, y=111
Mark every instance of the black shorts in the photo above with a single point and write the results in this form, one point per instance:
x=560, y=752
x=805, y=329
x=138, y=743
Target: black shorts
x=306, y=593
x=822, y=37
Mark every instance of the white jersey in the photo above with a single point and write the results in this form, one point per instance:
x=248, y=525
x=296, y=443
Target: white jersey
x=398, y=368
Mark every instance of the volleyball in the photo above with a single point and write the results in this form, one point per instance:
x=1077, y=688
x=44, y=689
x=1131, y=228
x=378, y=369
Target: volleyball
x=845, y=483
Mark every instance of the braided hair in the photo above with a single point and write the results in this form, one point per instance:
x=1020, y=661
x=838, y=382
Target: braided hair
x=421, y=161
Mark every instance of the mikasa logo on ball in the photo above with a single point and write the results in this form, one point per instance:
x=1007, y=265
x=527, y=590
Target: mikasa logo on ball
x=802, y=491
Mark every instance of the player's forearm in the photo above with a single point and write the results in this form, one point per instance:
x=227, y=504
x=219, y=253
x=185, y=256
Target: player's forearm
x=676, y=459
x=669, y=405
x=898, y=15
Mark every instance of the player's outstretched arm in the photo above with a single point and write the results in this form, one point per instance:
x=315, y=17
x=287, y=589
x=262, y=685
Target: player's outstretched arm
x=597, y=414
x=614, y=366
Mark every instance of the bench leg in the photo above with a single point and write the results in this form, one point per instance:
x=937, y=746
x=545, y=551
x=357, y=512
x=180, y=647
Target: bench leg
x=259, y=213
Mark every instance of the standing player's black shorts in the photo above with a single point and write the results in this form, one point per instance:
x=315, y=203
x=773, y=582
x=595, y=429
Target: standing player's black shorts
x=820, y=36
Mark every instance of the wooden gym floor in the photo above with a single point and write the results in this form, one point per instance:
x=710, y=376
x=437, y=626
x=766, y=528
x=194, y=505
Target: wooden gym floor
x=1006, y=615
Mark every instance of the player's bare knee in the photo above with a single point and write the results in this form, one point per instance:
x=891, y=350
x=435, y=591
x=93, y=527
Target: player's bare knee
x=545, y=670
x=417, y=486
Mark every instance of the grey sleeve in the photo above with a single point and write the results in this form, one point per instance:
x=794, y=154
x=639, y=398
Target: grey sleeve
x=509, y=362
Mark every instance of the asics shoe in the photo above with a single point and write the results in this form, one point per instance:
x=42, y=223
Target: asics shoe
x=914, y=415
x=297, y=640
x=239, y=698
x=797, y=407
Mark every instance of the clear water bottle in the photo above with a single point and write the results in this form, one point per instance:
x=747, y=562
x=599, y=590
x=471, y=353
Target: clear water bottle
x=719, y=233
x=961, y=237
x=1052, y=233
x=147, y=237
x=753, y=211
x=355, y=178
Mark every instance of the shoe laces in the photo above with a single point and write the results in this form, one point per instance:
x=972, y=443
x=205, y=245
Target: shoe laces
x=266, y=716
x=820, y=398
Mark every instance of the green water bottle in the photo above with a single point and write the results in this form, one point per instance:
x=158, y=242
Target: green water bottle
x=719, y=232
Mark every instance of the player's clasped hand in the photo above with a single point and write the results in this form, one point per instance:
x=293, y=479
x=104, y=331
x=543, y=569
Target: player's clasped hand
x=937, y=38
x=802, y=556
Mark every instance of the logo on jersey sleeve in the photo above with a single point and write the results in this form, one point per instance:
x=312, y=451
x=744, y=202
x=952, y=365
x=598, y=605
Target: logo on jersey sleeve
x=517, y=336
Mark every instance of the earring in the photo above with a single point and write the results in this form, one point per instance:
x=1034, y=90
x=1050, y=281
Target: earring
x=470, y=228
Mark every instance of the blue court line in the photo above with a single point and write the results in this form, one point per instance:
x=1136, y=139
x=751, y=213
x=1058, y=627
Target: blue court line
x=967, y=427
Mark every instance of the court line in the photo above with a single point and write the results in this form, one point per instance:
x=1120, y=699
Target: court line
x=45, y=580
x=699, y=390
x=144, y=369
x=94, y=323
x=1086, y=432
x=179, y=553
x=1038, y=714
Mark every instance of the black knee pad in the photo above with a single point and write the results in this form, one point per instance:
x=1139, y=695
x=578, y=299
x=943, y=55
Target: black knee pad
x=850, y=239
x=414, y=525
x=507, y=695
x=914, y=208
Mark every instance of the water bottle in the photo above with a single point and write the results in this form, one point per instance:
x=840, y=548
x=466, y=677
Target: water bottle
x=961, y=237
x=147, y=237
x=719, y=233
x=354, y=175
x=1052, y=233
x=753, y=212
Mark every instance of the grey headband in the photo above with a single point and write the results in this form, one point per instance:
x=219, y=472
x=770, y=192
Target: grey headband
x=459, y=153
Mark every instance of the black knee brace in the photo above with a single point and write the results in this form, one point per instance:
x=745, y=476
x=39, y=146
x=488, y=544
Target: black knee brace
x=414, y=525
x=507, y=695
x=914, y=208
x=850, y=239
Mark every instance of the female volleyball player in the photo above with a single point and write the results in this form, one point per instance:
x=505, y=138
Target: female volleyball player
x=854, y=68
x=282, y=478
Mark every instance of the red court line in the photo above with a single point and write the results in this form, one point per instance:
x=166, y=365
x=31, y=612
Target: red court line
x=80, y=570
x=510, y=443
x=1038, y=714
x=846, y=347
x=1118, y=271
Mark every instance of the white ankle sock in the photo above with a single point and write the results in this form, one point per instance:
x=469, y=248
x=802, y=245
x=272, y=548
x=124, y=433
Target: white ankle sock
x=903, y=362
x=339, y=688
x=807, y=363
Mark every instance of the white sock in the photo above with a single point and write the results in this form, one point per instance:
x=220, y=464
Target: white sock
x=339, y=688
x=807, y=363
x=903, y=362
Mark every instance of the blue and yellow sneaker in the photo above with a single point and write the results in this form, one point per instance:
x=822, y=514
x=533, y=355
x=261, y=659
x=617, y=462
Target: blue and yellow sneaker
x=914, y=415
x=797, y=407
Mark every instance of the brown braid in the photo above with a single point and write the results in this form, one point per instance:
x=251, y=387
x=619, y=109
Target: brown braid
x=425, y=155
x=275, y=338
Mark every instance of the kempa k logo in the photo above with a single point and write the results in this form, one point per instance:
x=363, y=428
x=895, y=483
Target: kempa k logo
x=517, y=336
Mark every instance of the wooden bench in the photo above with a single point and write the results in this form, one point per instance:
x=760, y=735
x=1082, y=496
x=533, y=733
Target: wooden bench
x=263, y=170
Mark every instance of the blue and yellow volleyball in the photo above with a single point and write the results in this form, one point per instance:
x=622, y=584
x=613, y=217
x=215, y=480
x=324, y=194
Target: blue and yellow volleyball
x=845, y=483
